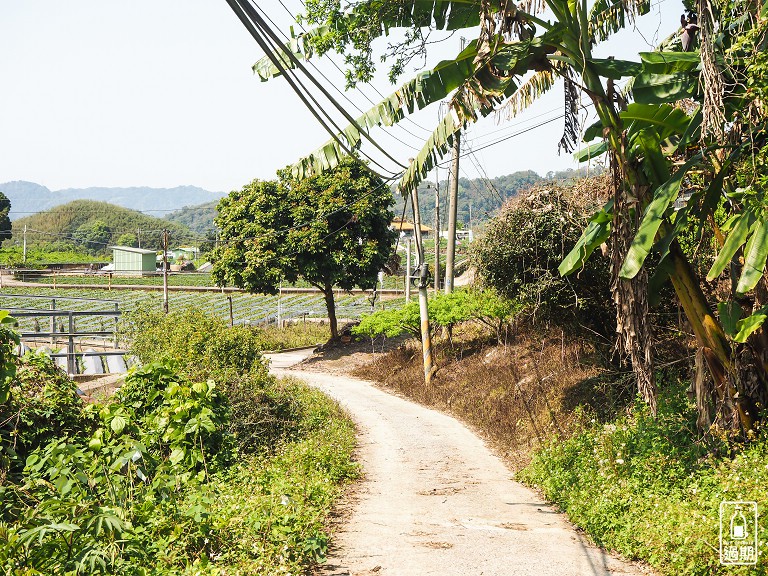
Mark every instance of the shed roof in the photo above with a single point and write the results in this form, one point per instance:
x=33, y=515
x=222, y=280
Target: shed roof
x=399, y=224
x=132, y=249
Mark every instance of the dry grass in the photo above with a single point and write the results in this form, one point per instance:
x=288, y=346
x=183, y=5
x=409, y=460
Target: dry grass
x=516, y=396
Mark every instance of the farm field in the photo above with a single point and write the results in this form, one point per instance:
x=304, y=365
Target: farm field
x=174, y=279
x=246, y=308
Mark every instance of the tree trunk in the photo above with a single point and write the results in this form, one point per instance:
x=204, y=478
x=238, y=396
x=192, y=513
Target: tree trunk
x=736, y=409
x=330, y=305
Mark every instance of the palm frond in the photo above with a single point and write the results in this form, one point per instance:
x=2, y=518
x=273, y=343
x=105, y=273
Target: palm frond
x=528, y=92
x=434, y=149
x=609, y=16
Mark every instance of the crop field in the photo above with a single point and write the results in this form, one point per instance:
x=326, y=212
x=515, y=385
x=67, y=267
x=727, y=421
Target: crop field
x=246, y=308
x=174, y=279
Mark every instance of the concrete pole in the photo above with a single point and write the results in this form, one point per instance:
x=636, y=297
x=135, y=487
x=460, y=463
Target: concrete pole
x=436, y=233
x=165, y=271
x=408, y=270
x=426, y=337
x=24, y=249
x=417, y=227
x=452, y=209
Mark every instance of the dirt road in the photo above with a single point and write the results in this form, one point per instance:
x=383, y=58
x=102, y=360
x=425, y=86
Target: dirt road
x=435, y=501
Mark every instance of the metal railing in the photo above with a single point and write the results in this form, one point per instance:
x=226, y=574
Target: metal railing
x=69, y=333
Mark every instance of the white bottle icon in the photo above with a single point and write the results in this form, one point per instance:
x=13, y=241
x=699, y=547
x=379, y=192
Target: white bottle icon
x=738, y=525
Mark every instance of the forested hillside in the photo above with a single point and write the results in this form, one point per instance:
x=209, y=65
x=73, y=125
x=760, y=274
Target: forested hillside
x=198, y=218
x=479, y=199
x=95, y=225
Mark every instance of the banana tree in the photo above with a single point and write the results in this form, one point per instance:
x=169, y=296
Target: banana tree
x=490, y=75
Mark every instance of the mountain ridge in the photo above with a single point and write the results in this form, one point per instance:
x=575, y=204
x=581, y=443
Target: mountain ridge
x=31, y=198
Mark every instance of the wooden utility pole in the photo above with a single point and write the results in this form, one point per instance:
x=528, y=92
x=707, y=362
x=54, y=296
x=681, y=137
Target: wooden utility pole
x=165, y=271
x=453, y=197
x=436, y=232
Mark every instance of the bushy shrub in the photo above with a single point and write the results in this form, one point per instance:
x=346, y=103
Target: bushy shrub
x=200, y=344
x=42, y=405
x=522, y=247
x=445, y=310
x=147, y=483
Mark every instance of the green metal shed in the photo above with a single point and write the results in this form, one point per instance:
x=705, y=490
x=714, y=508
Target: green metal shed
x=133, y=260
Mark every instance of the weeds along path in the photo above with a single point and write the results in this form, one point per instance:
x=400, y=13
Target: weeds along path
x=435, y=500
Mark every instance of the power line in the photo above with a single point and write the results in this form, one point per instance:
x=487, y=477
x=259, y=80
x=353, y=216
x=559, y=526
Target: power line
x=271, y=45
x=336, y=88
x=407, y=119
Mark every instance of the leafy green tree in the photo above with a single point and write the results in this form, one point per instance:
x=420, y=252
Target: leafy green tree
x=127, y=239
x=94, y=235
x=5, y=221
x=332, y=230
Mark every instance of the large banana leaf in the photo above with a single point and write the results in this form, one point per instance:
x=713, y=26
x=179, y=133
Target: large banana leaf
x=426, y=88
x=755, y=255
x=480, y=88
x=666, y=77
x=741, y=227
x=609, y=16
x=615, y=69
x=666, y=120
x=434, y=149
x=591, y=152
x=438, y=14
x=652, y=220
x=528, y=92
x=597, y=231
x=737, y=327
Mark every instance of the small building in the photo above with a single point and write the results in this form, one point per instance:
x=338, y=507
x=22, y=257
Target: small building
x=185, y=253
x=133, y=260
x=461, y=235
x=407, y=229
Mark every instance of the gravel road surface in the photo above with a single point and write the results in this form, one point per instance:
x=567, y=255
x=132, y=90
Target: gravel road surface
x=434, y=500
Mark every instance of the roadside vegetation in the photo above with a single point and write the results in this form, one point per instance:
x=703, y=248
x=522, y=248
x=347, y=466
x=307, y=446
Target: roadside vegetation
x=527, y=358
x=202, y=463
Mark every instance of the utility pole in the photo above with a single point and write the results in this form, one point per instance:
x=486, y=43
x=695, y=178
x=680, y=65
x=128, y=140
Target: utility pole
x=452, y=209
x=138, y=236
x=437, y=232
x=426, y=337
x=165, y=271
x=24, y=257
x=408, y=269
x=417, y=227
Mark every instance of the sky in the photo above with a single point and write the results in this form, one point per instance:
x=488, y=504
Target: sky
x=161, y=93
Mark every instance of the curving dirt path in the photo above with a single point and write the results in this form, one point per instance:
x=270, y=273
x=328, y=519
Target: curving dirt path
x=435, y=501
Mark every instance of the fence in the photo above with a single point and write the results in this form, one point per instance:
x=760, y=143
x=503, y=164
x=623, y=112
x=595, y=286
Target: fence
x=70, y=333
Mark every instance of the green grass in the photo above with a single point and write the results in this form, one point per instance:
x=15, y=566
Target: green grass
x=268, y=514
x=650, y=489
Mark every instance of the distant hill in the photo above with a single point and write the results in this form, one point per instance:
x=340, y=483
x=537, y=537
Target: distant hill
x=479, y=198
x=199, y=218
x=61, y=224
x=29, y=198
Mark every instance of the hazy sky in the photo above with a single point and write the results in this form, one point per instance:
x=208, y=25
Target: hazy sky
x=161, y=93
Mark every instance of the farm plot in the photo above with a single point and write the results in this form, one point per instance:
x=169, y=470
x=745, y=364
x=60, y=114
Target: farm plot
x=246, y=308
